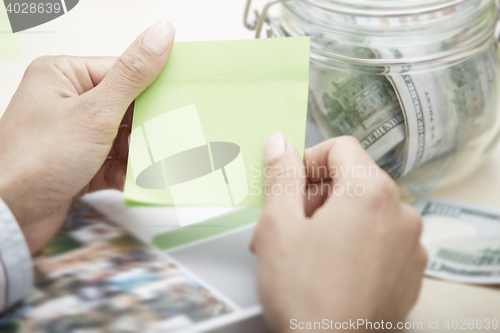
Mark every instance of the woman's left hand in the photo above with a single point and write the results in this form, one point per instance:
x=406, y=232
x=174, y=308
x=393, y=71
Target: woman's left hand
x=65, y=132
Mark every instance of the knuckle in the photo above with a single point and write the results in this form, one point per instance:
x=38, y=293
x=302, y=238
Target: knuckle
x=387, y=188
x=382, y=231
x=43, y=60
x=272, y=223
x=269, y=218
x=64, y=63
x=415, y=223
x=41, y=63
x=382, y=190
x=341, y=143
x=263, y=230
x=51, y=64
x=276, y=234
x=252, y=245
x=423, y=258
x=345, y=141
x=256, y=239
x=133, y=67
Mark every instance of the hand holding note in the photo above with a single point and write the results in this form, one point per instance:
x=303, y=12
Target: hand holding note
x=357, y=256
x=64, y=121
x=207, y=117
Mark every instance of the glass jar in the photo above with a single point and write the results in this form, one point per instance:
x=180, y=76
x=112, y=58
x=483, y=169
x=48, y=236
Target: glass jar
x=415, y=81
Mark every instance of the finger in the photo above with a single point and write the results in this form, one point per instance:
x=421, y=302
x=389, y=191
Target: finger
x=127, y=118
x=412, y=255
x=412, y=225
x=284, y=173
x=337, y=159
x=317, y=194
x=120, y=144
x=110, y=176
x=98, y=68
x=134, y=71
x=85, y=73
x=64, y=76
x=410, y=290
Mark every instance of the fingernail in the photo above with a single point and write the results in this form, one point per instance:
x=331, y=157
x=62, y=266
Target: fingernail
x=275, y=147
x=159, y=37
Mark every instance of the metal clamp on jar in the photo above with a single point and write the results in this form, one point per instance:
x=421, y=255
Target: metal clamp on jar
x=416, y=82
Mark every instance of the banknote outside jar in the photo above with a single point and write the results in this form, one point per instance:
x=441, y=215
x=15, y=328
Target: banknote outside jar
x=415, y=81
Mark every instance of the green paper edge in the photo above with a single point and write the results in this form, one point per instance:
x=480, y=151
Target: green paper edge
x=206, y=229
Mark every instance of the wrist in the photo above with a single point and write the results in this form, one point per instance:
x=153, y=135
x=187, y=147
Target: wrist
x=11, y=193
x=6, y=196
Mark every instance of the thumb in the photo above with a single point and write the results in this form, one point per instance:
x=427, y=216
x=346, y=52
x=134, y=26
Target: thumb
x=134, y=70
x=285, y=177
x=284, y=187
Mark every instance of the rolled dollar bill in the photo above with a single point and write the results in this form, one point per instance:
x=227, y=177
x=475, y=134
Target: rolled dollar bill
x=446, y=108
x=405, y=117
x=364, y=106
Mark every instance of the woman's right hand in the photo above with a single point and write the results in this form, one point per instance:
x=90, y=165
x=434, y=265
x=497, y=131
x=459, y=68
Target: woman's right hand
x=349, y=253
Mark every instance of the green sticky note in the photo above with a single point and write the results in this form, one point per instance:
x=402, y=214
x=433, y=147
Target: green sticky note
x=199, y=130
x=206, y=229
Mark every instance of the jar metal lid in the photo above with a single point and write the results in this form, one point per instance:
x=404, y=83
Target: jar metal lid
x=393, y=62
x=389, y=8
x=386, y=10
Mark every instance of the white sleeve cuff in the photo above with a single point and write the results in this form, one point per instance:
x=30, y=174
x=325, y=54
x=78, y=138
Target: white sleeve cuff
x=16, y=270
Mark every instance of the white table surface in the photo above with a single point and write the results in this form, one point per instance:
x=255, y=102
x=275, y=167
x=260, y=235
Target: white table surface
x=106, y=27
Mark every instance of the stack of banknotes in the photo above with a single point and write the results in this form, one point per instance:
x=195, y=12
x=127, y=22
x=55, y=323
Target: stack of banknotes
x=462, y=240
x=405, y=117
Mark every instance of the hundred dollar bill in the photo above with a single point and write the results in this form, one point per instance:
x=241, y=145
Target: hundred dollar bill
x=462, y=240
x=446, y=108
x=406, y=117
x=428, y=116
x=424, y=99
x=364, y=106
